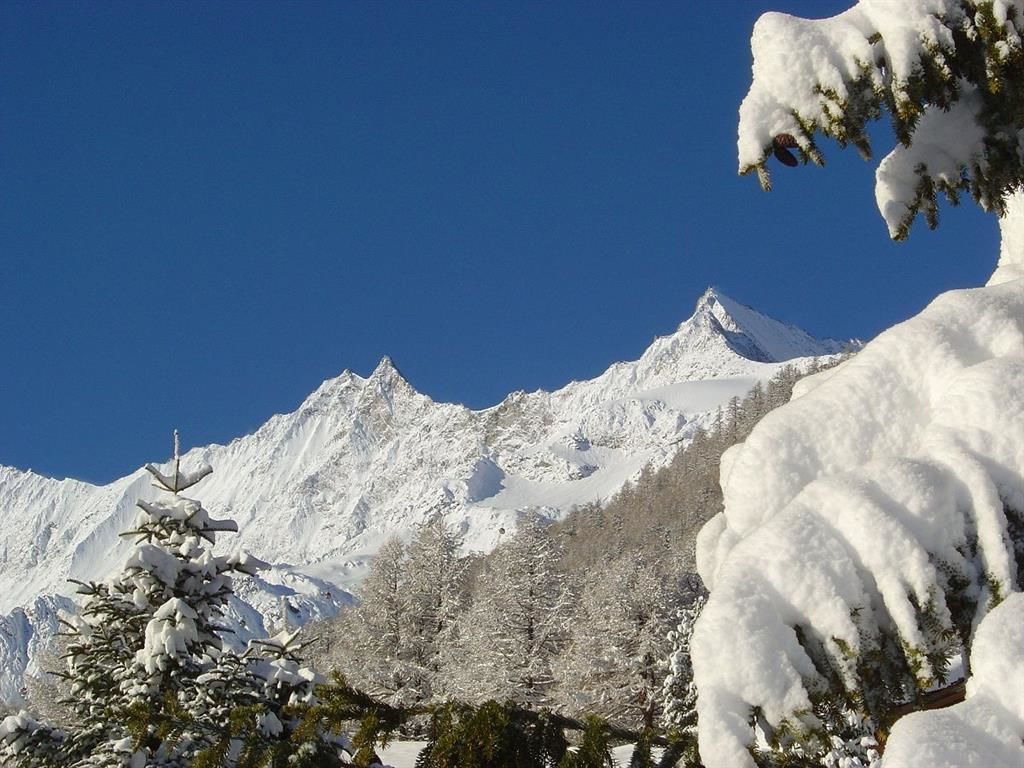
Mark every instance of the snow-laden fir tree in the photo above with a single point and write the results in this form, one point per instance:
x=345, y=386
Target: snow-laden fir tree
x=516, y=624
x=873, y=523
x=151, y=683
x=614, y=663
x=948, y=73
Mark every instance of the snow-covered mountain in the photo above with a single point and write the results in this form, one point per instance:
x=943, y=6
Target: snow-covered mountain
x=317, y=490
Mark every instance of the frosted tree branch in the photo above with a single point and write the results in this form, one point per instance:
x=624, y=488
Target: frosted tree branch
x=949, y=73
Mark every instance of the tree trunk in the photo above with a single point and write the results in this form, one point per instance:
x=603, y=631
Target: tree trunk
x=943, y=697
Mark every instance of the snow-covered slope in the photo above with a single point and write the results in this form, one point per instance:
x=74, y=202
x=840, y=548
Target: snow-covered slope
x=315, y=491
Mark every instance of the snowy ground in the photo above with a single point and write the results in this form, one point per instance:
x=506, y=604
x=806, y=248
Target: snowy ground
x=402, y=754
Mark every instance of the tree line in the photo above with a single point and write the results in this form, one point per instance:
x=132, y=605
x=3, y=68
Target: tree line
x=553, y=635
x=583, y=615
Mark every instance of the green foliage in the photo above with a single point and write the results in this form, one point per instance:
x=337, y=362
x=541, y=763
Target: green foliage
x=340, y=701
x=592, y=750
x=493, y=735
x=642, y=757
x=680, y=751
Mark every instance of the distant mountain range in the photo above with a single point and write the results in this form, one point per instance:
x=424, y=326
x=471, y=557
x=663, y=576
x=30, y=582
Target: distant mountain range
x=316, y=491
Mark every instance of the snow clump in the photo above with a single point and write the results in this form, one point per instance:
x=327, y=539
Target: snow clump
x=986, y=729
x=861, y=511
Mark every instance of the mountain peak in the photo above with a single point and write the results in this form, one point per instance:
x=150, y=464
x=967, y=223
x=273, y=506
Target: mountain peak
x=386, y=366
x=712, y=301
x=752, y=334
x=711, y=293
x=387, y=372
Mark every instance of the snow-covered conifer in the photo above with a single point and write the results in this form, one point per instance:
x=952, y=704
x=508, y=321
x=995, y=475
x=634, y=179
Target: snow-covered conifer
x=151, y=683
x=679, y=694
x=948, y=73
x=987, y=728
x=869, y=525
x=390, y=645
x=433, y=597
x=380, y=597
x=373, y=655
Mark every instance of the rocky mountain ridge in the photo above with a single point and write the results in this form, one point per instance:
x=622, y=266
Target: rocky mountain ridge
x=316, y=491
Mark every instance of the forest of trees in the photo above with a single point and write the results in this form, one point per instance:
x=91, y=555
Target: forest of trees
x=578, y=615
x=588, y=617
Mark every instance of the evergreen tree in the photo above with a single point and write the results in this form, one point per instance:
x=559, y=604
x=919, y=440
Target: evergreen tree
x=495, y=735
x=434, y=596
x=374, y=653
x=949, y=75
x=390, y=644
x=150, y=680
x=380, y=597
x=679, y=693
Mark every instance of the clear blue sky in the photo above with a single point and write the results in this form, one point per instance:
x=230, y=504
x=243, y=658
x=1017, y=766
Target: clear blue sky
x=208, y=208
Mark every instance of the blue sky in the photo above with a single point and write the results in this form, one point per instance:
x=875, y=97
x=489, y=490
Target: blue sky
x=208, y=208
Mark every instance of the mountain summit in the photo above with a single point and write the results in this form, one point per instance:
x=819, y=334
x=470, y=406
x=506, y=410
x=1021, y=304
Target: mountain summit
x=755, y=336
x=316, y=491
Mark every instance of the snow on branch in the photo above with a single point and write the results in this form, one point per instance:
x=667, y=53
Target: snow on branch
x=868, y=527
x=176, y=513
x=988, y=727
x=949, y=73
x=179, y=481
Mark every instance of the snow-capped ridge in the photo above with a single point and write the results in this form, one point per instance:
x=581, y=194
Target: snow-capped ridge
x=362, y=458
x=757, y=336
x=720, y=327
x=27, y=474
x=722, y=339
